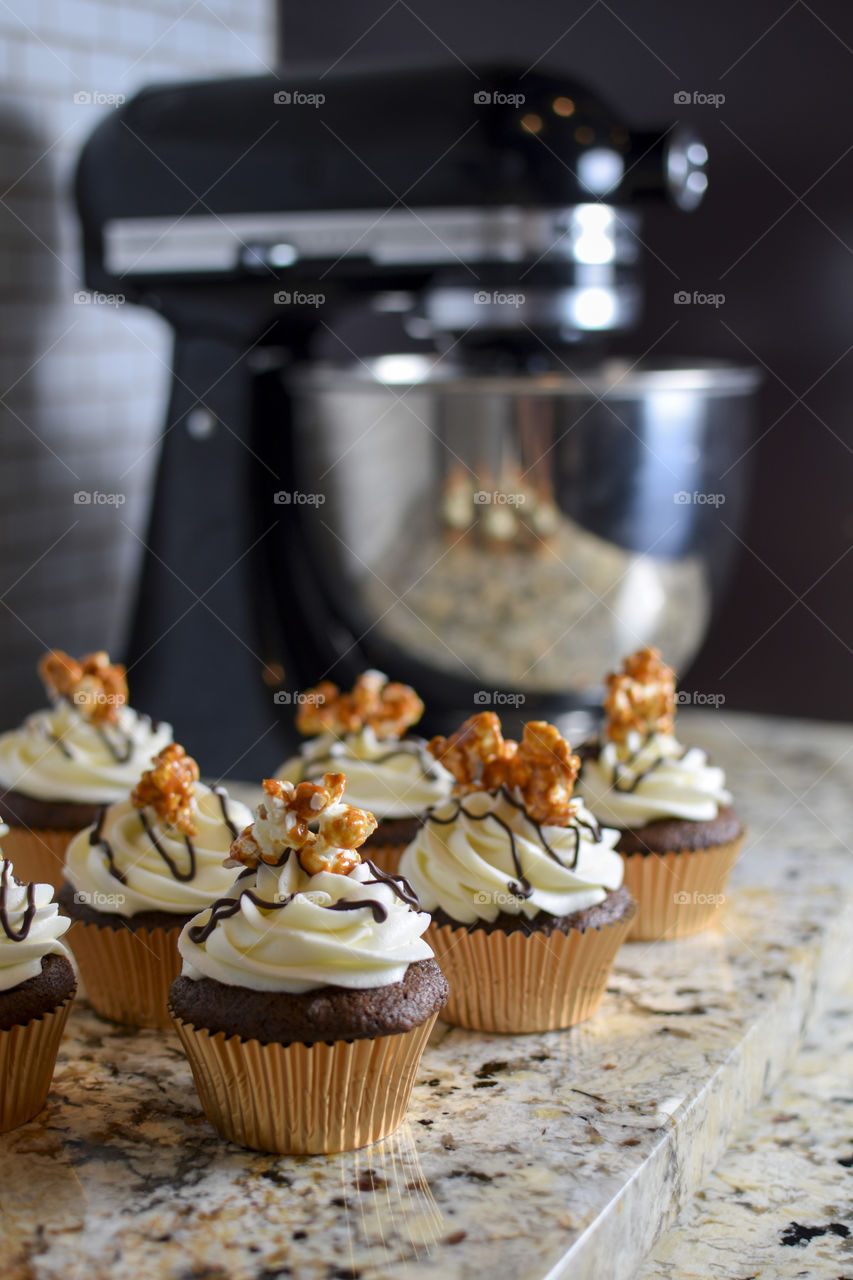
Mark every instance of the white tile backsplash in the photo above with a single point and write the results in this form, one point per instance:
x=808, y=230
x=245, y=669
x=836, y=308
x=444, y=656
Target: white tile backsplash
x=86, y=386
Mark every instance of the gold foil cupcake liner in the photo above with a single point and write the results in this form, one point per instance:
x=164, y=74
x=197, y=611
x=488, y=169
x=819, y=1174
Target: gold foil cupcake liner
x=517, y=982
x=678, y=894
x=127, y=973
x=302, y=1099
x=386, y=856
x=38, y=854
x=27, y=1063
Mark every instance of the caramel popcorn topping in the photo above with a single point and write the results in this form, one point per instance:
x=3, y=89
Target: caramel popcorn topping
x=640, y=697
x=96, y=686
x=387, y=707
x=168, y=788
x=540, y=769
x=309, y=818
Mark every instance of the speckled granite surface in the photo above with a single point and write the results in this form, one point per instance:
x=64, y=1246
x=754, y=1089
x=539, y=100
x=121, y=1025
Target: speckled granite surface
x=779, y=1205
x=560, y=1154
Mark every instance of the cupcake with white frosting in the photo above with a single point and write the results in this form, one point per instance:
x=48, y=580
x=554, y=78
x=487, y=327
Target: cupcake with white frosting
x=524, y=886
x=308, y=992
x=678, y=834
x=37, y=984
x=135, y=877
x=365, y=735
x=64, y=762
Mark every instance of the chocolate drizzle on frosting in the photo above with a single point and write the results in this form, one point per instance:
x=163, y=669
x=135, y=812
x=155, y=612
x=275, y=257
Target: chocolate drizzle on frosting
x=524, y=890
x=57, y=742
x=405, y=747
x=182, y=876
x=120, y=753
x=96, y=837
x=222, y=796
x=224, y=908
x=16, y=935
x=520, y=889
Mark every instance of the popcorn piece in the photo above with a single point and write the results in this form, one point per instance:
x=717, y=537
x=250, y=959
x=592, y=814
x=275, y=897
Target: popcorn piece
x=479, y=741
x=640, y=697
x=310, y=819
x=540, y=770
x=97, y=687
x=387, y=707
x=168, y=787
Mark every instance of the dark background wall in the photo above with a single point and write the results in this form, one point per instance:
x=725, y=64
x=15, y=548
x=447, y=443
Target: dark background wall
x=775, y=236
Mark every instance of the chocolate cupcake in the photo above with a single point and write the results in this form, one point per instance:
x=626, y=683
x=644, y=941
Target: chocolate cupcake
x=135, y=878
x=389, y=771
x=525, y=888
x=37, y=984
x=679, y=836
x=308, y=993
x=87, y=750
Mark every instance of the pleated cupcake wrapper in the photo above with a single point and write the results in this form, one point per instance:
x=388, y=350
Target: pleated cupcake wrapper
x=27, y=1062
x=302, y=1099
x=38, y=854
x=127, y=973
x=386, y=856
x=678, y=894
x=513, y=982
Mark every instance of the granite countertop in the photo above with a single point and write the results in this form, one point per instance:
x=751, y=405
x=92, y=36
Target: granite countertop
x=547, y=1155
x=780, y=1203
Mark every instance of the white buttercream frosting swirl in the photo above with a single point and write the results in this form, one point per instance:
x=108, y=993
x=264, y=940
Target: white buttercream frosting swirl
x=280, y=932
x=56, y=754
x=644, y=779
x=461, y=861
x=391, y=777
x=29, y=911
x=145, y=881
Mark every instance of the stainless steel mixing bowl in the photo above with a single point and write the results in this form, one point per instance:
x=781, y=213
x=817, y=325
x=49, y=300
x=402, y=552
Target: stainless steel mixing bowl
x=522, y=533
